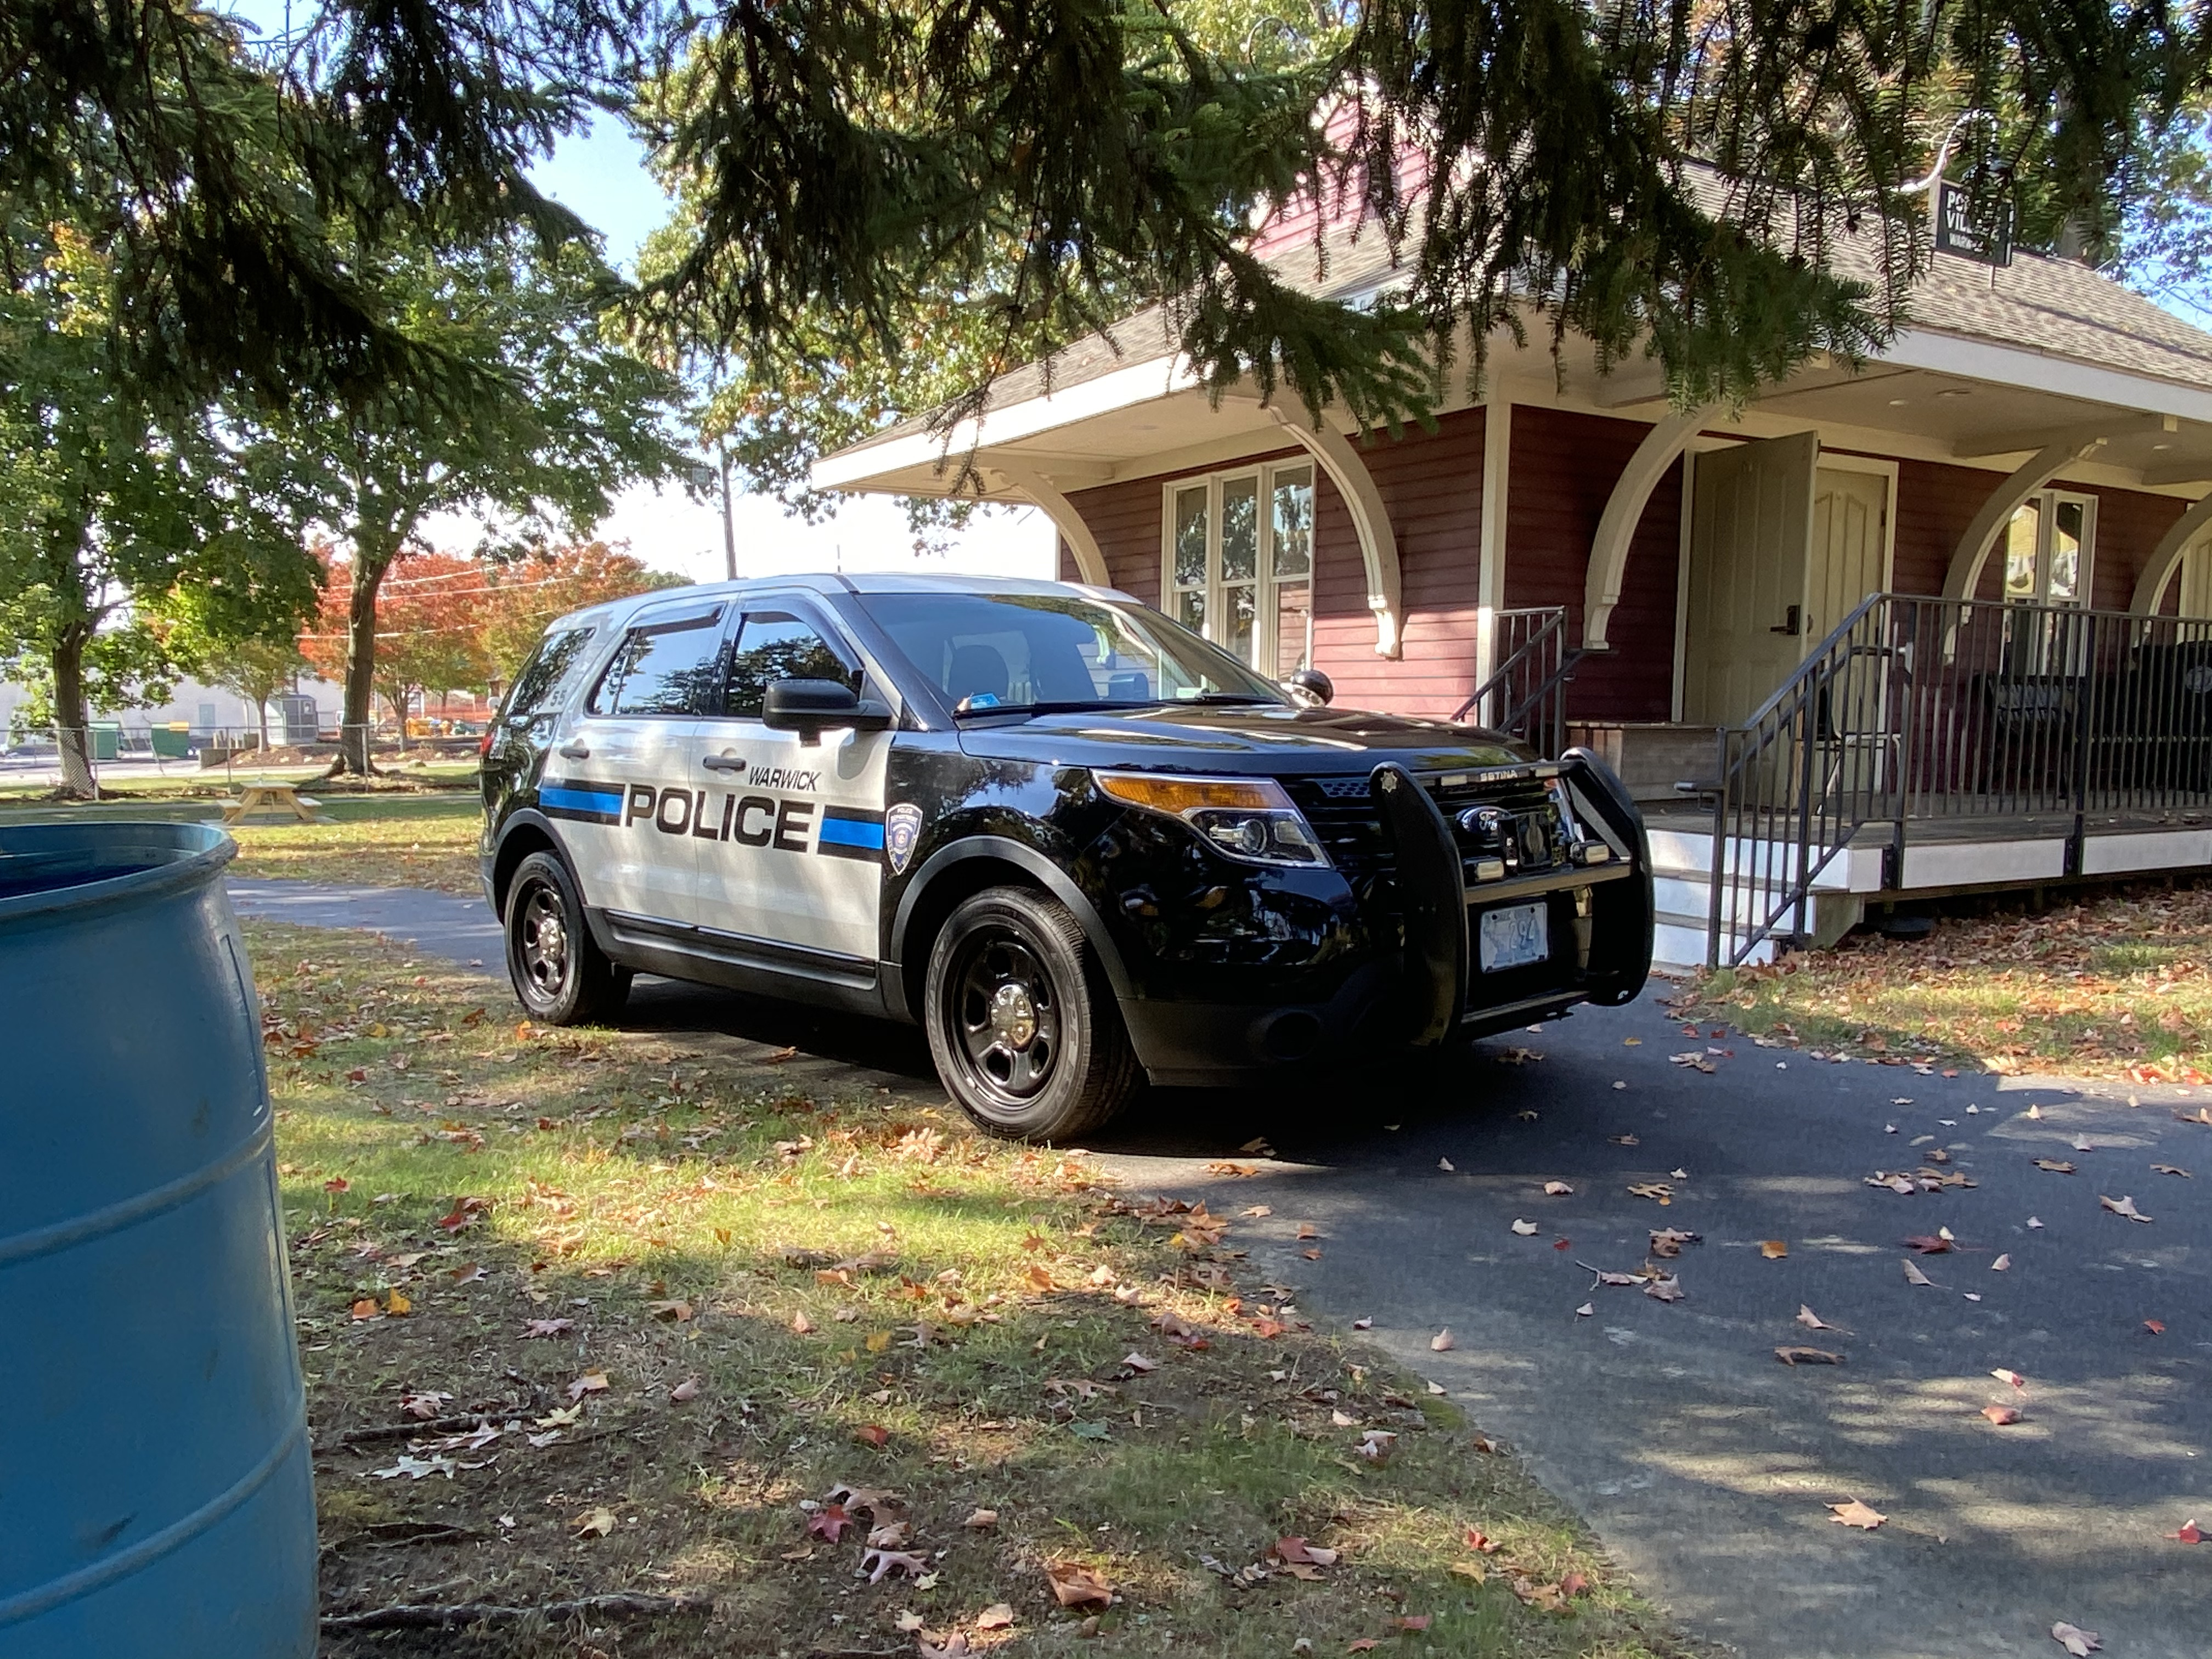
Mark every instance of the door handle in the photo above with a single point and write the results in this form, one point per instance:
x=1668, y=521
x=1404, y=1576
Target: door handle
x=724, y=762
x=572, y=750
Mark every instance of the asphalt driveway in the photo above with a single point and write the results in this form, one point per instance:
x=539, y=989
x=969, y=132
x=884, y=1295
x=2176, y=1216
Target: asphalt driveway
x=1706, y=1464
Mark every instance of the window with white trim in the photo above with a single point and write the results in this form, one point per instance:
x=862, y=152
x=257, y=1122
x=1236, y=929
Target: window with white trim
x=1237, y=563
x=2048, y=547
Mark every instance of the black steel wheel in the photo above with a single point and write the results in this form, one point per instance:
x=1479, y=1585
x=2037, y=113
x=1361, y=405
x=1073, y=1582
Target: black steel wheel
x=559, y=973
x=1022, y=1023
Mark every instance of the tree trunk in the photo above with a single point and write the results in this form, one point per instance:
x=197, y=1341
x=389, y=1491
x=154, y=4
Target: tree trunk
x=261, y=708
x=359, y=712
x=72, y=718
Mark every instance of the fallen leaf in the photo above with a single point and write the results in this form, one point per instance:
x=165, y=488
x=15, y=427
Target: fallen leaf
x=671, y=1312
x=1411, y=1621
x=2155, y=1327
x=873, y=1435
x=2013, y=1377
x=1136, y=1362
x=1928, y=1244
x=598, y=1524
x=956, y=1647
x=2126, y=1206
x=982, y=1518
x=1658, y=1190
x=879, y=1564
x=2034, y=1221
x=2001, y=1415
x=1664, y=1288
x=1447, y=1166
x=1075, y=1585
x=1813, y=1322
x=1808, y=1357
x=2172, y=1170
x=1773, y=1249
x=1586, y=1310
x=1524, y=1228
x=2082, y=1144
x=997, y=1616
x=1557, y=1189
x=1913, y=1275
x=2056, y=1166
x=1375, y=1446
x=1667, y=1241
x=1307, y=1229
x=2190, y=1532
x=2002, y=1264
x=2076, y=1640
x=1441, y=1341
x=801, y=1325
x=828, y=1522
x=589, y=1383
x=1855, y=1514
x=687, y=1390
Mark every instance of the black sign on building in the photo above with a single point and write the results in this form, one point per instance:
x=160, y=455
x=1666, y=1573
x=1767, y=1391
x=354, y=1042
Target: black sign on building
x=1958, y=232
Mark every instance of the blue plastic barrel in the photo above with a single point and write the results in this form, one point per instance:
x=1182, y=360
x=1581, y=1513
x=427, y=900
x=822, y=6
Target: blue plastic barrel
x=155, y=1500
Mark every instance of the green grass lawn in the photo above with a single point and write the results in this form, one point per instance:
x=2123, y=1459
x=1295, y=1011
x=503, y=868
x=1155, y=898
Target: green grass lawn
x=583, y=1312
x=381, y=840
x=2119, y=985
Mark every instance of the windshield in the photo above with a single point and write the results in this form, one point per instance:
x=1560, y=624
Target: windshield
x=988, y=652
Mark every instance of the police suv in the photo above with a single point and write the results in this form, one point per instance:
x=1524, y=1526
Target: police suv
x=1080, y=845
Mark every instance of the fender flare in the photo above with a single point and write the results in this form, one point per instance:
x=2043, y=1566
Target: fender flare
x=1030, y=861
x=530, y=817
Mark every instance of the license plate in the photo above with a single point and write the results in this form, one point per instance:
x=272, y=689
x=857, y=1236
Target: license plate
x=1515, y=937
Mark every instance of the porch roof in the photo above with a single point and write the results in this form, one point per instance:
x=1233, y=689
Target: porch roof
x=2070, y=345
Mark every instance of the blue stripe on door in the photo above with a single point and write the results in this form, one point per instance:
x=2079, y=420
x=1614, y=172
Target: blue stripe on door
x=852, y=832
x=593, y=802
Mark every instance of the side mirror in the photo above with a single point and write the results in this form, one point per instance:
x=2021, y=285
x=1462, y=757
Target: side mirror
x=1310, y=689
x=811, y=707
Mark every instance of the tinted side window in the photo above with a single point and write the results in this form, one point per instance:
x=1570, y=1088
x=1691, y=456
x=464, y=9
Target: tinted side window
x=773, y=645
x=549, y=675
x=666, y=666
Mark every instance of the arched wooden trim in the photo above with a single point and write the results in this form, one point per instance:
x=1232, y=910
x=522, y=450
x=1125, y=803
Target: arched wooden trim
x=1974, y=549
x=2165, y=558
x=1370, y=521
x=1089, y=563
x=1616, y=528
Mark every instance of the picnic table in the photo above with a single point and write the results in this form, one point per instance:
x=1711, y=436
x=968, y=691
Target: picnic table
x=255, y=800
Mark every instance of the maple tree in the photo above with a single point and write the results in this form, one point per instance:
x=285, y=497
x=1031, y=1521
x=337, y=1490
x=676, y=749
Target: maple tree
x=528, y=594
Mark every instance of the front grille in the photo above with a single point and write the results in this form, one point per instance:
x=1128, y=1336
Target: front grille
x=1343, y=814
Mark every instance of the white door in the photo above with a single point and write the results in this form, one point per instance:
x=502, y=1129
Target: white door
x=1750, y=533
x=791, y=851
x=621, y=776
x=1850, y=547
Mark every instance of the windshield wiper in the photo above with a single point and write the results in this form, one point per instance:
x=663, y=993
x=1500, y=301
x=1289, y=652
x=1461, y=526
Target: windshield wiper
x=962, y=711
x=1217, y=697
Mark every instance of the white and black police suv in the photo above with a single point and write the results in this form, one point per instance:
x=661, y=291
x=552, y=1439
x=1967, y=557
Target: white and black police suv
x=1079, y=844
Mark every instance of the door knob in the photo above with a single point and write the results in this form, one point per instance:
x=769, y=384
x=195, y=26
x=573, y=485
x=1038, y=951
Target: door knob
x=573, y=752
x=724, y=762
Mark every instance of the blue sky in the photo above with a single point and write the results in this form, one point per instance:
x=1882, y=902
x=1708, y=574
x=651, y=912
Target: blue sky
x=601, y=175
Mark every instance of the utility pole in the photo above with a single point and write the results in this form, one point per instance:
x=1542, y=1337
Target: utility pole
x=729, y=522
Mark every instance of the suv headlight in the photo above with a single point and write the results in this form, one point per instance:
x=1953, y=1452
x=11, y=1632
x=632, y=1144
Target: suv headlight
x=1247, y=818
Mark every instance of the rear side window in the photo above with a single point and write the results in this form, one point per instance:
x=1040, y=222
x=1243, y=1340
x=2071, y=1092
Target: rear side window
x=551, y=674
x=665, y=665
x=775, y=644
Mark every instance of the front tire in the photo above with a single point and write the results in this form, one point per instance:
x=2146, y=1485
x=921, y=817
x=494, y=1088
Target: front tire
x=559, y=973
x=1021, y=1023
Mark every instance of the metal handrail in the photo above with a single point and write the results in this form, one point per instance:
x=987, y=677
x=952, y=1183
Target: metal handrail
x=1541, y=652
x=1914, y=710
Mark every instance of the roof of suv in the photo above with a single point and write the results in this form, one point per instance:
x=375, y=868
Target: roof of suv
x=874, y=581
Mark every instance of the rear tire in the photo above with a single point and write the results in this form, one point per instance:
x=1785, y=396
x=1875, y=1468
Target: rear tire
x=1021, y=1022
x=559, y=973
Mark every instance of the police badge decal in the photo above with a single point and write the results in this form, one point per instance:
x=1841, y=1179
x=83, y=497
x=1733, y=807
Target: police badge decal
x=902, y=829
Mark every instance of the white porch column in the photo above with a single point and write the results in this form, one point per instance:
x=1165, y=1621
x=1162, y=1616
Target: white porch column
x=1378, y=544
x=2165, y=558
x=1608, y=557
x=2039, y=470
x=1089, y=563
x=1490, y=570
